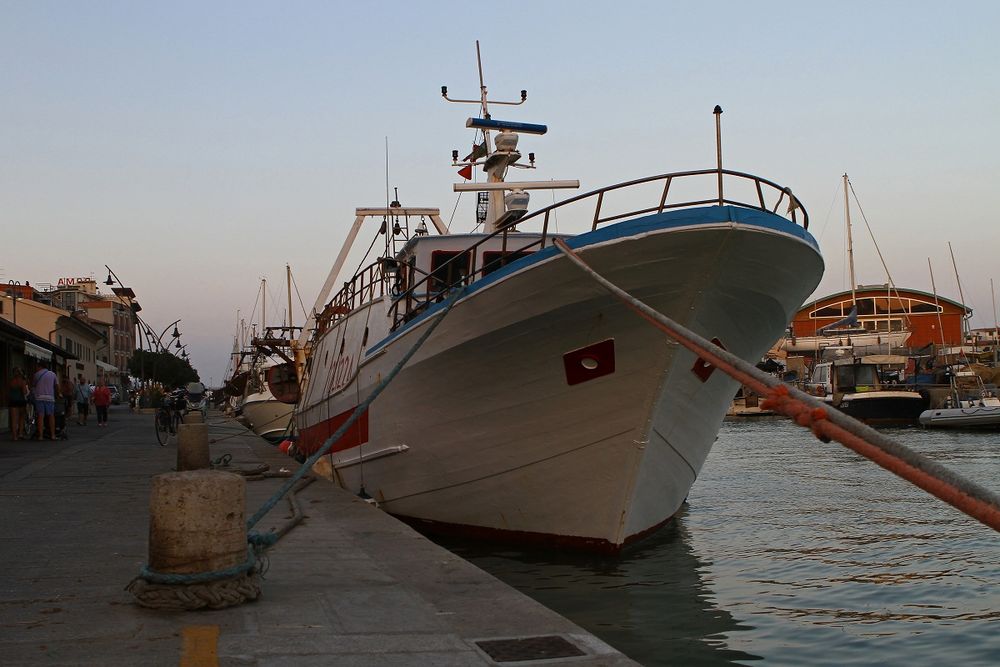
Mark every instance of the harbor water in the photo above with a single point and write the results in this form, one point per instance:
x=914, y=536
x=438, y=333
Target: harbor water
x=791, y=551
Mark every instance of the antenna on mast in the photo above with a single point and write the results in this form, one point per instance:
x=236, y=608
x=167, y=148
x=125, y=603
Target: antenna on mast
x=505, y=205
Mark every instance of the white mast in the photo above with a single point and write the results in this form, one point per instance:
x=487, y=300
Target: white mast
x=965, y=321
x=996, y=327
x=288, y=279
x=850, y=245
x=263, y=303
x=510, y=201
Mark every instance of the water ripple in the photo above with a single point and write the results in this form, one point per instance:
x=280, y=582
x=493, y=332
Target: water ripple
x=794, y=552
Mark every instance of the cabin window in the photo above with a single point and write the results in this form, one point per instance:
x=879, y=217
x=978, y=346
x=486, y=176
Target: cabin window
x=924, y=307
x=449, y=268
x=822, y=375
x=845, y=377
x=895, y=325
x=865, y=375
x=836, y=310
x=494, y=259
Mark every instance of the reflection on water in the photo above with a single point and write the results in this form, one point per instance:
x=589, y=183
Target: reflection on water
x=651, y=602
x=794, y=552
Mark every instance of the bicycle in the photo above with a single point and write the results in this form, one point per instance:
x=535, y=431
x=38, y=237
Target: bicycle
x=168, y=418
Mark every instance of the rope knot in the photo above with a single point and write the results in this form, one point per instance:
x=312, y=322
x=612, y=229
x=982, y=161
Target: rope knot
x=780, y=400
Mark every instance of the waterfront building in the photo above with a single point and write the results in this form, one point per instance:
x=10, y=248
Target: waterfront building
x=70, y=331
x=930, y=319
x=19, y=348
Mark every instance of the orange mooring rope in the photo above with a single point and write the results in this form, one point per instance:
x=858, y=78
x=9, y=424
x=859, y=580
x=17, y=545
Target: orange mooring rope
x=976, y=501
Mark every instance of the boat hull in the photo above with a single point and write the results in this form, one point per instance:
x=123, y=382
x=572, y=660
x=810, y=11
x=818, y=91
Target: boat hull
x=498, y=426
x=884, y=408
x=265, y=416
x=888, y=339
x=976, y=417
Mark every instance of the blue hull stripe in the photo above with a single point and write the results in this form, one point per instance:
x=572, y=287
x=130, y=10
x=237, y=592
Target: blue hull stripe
x=707, y=215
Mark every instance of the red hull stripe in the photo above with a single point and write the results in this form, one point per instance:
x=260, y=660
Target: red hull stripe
x=313, y=437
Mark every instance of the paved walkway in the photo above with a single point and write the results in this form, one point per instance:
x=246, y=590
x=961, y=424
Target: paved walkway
x=348, y=586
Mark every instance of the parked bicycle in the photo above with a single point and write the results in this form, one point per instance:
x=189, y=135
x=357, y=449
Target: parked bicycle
x=169, y=416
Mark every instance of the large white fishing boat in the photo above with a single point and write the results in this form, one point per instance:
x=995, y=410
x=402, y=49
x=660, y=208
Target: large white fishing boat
x=541, y=408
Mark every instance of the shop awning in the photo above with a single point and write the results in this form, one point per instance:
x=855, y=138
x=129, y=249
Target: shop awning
x=106, y=367
x=37, y=352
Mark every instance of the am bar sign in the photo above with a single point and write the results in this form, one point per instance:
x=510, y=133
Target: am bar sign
x=66, y=282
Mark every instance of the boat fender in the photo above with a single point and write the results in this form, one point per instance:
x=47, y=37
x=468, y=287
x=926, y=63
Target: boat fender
x=838, y=398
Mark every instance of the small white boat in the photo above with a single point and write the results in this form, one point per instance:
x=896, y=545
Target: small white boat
x=970, y=405
x=267, y=416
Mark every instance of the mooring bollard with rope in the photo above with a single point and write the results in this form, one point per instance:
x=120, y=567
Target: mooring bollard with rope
x=180, y=589
x=826, y=423
x=198, y=553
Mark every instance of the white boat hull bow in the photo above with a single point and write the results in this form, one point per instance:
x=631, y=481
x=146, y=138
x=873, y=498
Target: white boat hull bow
x=541, y=407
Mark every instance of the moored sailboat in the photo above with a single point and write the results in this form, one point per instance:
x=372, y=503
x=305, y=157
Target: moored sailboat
x=541, y=409
x=848, y=331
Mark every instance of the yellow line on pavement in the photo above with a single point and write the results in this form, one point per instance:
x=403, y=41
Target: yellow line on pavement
x=200, y=646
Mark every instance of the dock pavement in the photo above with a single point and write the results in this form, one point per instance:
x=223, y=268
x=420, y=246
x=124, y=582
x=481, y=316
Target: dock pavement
x=350, y=585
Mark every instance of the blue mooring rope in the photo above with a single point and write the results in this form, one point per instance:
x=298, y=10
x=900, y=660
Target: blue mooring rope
x=358, y=411
x=258, y=542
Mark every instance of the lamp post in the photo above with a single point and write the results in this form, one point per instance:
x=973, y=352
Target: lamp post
x=12, y=293
x=126, y=293
x=175, y=334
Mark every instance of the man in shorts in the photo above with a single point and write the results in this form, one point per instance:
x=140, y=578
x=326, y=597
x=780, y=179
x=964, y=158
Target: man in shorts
x=43, y=385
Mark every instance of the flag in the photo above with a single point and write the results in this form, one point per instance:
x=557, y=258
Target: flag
x=466, y=172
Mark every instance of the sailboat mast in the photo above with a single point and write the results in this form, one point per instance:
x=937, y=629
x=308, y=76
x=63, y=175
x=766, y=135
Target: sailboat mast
x=288, y=280
x=850, y=244
x=996, y=327
x=965, y=320
x=937, y=305
x=263, y=303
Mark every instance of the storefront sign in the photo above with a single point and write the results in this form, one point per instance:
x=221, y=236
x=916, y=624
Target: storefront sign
x=66, y=282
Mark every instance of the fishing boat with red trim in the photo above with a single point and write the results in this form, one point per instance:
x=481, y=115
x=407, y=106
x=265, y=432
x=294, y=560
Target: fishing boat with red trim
x=541, y=409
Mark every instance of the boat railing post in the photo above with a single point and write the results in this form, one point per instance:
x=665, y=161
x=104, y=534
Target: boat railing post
x=597, y=210
x=718, y=147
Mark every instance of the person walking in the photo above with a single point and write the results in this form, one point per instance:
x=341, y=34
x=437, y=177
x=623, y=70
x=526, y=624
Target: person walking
x=83, y=396
x=43, y=386
x=66, y=395
x=102, y=399
x=17, y=399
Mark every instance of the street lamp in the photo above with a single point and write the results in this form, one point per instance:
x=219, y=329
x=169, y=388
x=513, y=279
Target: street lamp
x=175, y=334
x=12, y=293
x=128, y=296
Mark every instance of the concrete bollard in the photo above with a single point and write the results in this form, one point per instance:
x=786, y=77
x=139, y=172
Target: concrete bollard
x=194, y=417
x=192, y=447
x=197, y=522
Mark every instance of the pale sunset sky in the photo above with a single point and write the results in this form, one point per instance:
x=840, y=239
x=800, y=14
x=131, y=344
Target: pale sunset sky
x=196, y=147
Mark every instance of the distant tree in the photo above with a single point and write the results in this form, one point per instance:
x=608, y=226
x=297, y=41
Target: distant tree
x=162, y=367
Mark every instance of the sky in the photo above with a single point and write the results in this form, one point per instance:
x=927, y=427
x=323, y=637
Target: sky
x=197, y=147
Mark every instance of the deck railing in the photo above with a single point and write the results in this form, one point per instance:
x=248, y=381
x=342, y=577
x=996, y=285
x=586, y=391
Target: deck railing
x=410, y=302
